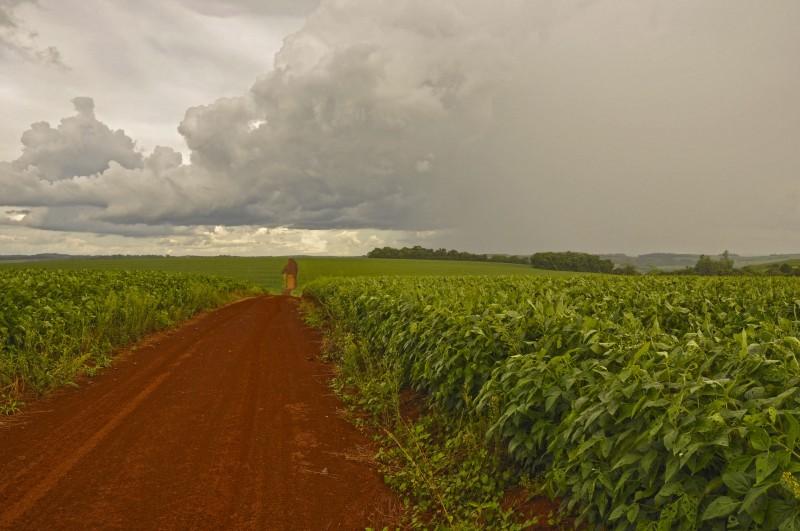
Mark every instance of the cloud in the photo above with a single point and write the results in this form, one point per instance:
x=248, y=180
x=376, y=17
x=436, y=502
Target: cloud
x=212, y=240
x=80, y=145
x=510, y=126
x=350, y=119
x=6, y=17
x=16, y=215
x=162, y=160
x=16, y=38
x=227, y=8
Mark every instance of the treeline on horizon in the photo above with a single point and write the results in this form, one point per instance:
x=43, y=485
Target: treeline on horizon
x=421, y=253
x=584, y=262
x=707, y=266
x=554, y=261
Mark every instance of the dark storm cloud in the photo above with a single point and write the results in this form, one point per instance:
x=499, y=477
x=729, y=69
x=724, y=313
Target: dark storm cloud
x=83, y=219
x=514, y=126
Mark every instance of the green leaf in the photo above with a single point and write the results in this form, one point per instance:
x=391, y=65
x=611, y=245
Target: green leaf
x=618, y=511
x=646, y=463
x=669, y=439
x=792, y=430
x=778, y=400
x=740, y=463
x=781, y=514
x=551, y=400
x=751, y=499
x=720, y=507
x=737, y=482
x=633, y=513
x=673, y=464
x=792, y=523
x=669, y=489
x=626, y=460
x=759, y=439
x=765, y=465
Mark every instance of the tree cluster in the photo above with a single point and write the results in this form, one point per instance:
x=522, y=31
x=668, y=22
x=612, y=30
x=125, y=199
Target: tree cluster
x=708, y=266
x=626, y=269
x=572, y=261
x=584, y=262
x=784, y=269
x=421, y=253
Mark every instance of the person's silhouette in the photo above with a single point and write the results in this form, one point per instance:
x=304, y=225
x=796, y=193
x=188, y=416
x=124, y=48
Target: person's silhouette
x=289, y=276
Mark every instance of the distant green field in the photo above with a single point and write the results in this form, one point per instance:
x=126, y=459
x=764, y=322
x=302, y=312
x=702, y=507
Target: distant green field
x=761, y=268
x=266, y=271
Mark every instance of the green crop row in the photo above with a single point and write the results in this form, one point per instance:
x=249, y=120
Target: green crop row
x=57, y=324
x=646, y=403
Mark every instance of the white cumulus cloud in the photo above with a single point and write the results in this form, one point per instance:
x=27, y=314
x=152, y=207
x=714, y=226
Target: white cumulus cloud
x=80, y=145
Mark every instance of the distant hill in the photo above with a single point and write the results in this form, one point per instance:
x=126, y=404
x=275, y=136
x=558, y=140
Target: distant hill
x=672, y=261
x=764, y=267
x=33, y=257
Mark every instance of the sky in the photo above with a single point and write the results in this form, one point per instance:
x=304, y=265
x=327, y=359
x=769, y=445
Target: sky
x=257, y=127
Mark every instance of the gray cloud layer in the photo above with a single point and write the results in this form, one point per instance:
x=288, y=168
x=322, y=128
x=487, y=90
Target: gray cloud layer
x=504, y=126
x=16, y=38
x=227, y=8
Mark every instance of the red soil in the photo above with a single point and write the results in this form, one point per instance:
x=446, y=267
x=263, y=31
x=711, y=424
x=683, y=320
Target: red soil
x=540, y=509
x=224, y=423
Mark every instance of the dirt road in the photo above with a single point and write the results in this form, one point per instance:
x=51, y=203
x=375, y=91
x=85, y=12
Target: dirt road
x=224, y=423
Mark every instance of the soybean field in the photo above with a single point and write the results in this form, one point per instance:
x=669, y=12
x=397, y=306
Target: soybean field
x=643, y=403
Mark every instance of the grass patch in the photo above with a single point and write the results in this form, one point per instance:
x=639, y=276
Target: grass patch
x=266, y=271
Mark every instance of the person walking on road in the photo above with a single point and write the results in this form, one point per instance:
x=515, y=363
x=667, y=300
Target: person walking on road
x=289, y=276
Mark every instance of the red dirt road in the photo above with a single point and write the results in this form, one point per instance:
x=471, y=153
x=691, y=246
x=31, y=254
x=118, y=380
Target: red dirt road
x=224, y=423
